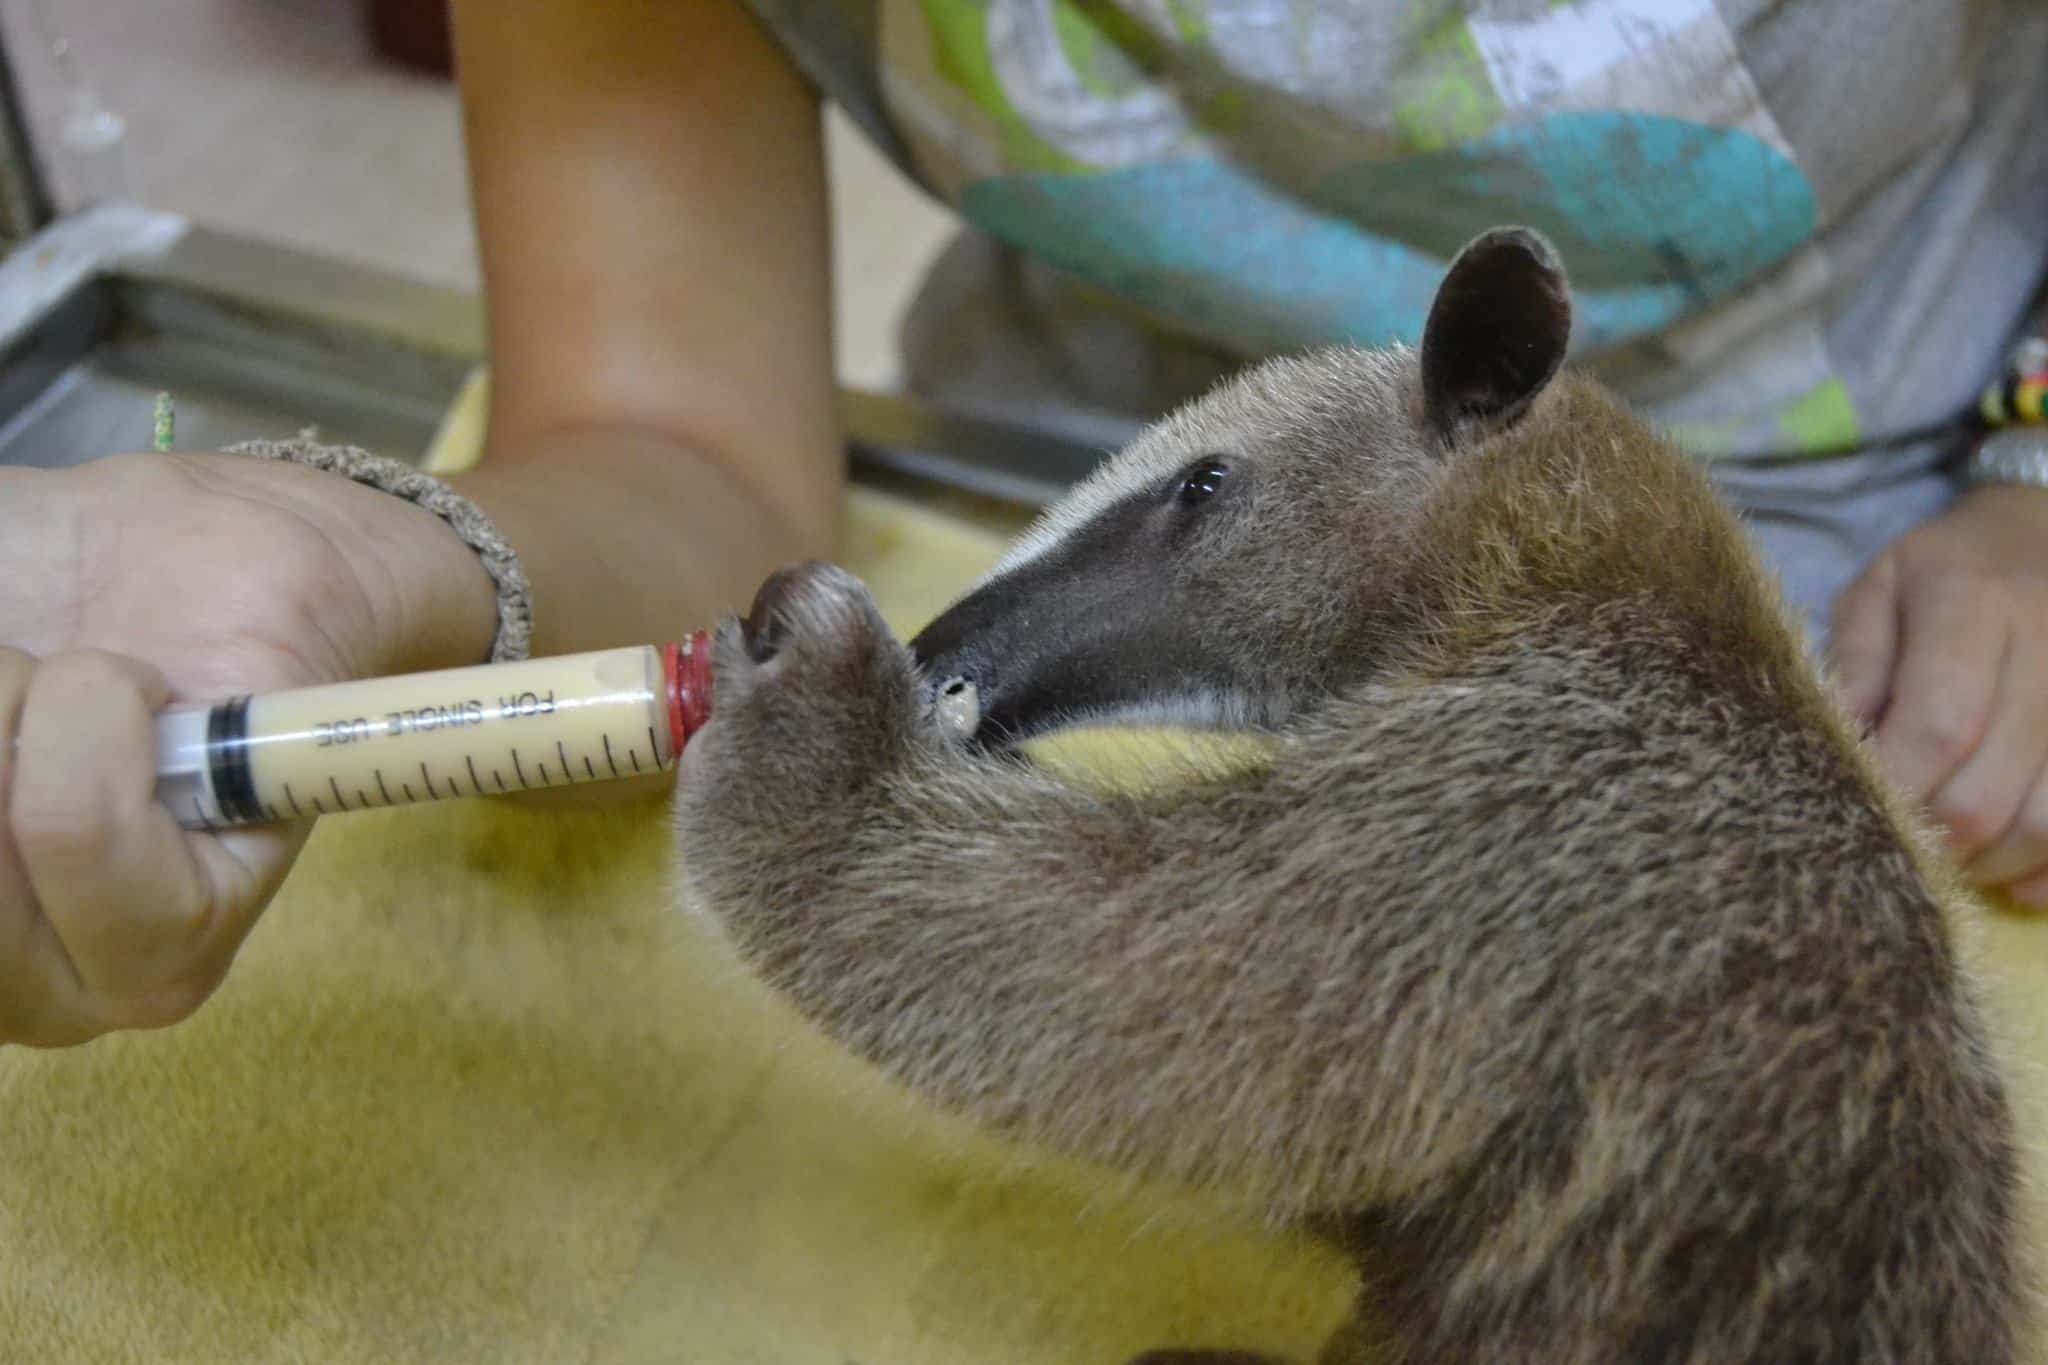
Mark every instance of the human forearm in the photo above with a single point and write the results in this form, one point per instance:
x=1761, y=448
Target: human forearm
x=631, y=537
x=650, y=199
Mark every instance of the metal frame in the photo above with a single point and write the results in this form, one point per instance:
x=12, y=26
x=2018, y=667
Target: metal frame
x=210, y=310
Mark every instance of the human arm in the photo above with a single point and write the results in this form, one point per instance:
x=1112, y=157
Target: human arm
x=140, y=579
x=650, y=198
x=650, y=203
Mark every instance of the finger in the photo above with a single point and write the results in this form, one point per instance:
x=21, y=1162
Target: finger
x=2021, y=853
x=1864, y=638
x=108, y=865
x=1985, y=803
x=1954, y=629
x=39, y=988
x=15, y=670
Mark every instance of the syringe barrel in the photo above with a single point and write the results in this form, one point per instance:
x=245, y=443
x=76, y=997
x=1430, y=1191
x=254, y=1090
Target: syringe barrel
x=481, y=731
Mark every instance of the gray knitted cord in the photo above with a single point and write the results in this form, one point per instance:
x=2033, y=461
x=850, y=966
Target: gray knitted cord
x=465, y=518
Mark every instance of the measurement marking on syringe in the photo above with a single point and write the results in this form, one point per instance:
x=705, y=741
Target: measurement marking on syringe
x=345, y=741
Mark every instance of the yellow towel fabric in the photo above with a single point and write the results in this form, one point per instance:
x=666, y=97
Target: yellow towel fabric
x=475, y=1092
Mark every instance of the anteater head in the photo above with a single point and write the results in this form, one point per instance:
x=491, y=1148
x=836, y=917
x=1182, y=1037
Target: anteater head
x=1224, y=567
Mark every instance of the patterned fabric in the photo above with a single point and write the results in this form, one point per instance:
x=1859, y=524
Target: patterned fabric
x=1790, y=223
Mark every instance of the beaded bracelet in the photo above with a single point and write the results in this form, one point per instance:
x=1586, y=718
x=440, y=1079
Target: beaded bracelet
x=2019, y=395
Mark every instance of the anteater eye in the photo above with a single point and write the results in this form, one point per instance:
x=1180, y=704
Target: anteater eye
x=1202, y=480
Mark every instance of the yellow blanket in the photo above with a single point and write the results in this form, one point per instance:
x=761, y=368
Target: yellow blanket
x=475, y=1093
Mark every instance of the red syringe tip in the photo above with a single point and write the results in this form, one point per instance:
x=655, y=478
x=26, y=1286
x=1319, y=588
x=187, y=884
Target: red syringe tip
x=687, y=669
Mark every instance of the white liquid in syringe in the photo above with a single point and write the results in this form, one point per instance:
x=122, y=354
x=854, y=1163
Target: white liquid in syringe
x=484, y=731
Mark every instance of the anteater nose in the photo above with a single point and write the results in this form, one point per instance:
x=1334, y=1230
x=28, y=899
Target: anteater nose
x=959, y=706
x=968, y=657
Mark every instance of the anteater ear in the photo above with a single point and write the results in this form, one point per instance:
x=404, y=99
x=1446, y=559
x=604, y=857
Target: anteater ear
x=1496, y=335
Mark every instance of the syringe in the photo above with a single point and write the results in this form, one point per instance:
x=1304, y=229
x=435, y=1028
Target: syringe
x=478, y=731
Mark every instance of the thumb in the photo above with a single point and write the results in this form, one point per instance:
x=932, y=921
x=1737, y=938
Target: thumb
x=1864, y=640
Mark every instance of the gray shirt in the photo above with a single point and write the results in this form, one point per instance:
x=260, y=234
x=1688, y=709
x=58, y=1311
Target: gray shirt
x=1791, y=227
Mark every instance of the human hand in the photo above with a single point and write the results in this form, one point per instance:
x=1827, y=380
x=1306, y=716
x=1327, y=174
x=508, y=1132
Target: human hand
x=1941, y=645
x=134, y=581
